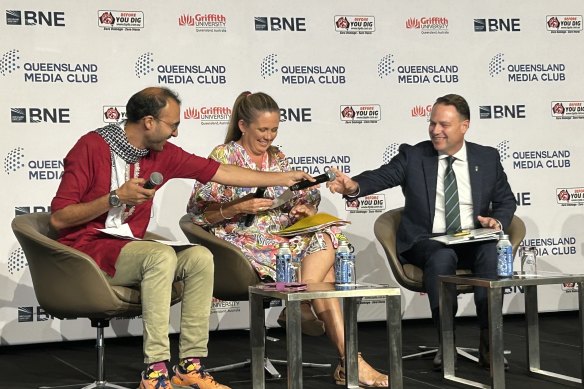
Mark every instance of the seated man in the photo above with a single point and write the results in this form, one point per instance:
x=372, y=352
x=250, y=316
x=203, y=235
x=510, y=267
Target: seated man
x=102, y=186
x=449, y=184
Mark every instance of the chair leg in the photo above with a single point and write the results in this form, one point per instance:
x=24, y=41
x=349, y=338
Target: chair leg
x=100, y=382
x=466, y=352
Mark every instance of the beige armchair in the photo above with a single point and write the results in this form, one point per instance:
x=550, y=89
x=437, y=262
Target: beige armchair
x=68, y=283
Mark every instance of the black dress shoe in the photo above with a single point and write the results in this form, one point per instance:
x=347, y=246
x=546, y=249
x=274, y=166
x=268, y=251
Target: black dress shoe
x=484, y=355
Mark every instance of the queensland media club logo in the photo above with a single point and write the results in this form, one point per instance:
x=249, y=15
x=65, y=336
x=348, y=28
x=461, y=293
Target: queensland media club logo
x=417, y=74
x=303, y=74
x=208, y=115
x=193, y=74
x=113, y=113
x=352, y=25
x=35, y=18
x=428, y=25
x=527, y=72
x=110, y=20
x=49, y=72
x=40, y=115
x=537, y=159
x=363, y=113
x=497, y=25
x=319, y=164
x=276, y=23
x=366, y=204
x=210, y=22
x=562, y=24
x=567, y=109
x=514, y=111
x=41, y=170
x=570, y=197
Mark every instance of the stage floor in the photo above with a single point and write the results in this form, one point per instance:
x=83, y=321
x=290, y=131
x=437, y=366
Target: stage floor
x=69, y=363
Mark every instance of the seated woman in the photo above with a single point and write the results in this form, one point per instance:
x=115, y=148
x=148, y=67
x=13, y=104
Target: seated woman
x=254, y=123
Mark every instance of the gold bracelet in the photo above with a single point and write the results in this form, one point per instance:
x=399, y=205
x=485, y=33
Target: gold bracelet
x=221, y=212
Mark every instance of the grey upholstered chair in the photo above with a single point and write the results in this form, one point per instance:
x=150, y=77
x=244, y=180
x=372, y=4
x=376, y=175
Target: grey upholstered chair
x=410, y=276
x=68, y=283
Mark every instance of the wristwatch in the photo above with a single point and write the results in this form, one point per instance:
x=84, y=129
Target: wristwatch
x=114, y=199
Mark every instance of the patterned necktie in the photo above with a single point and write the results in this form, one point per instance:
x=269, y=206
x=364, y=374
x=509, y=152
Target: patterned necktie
x=451, y=207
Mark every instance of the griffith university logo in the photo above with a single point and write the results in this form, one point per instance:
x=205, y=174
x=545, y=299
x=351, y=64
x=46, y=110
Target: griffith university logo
x=197, y=74
x=110, y=20
x=526, y=72
x=208, y=115
x=303, y=74
x=567, y=109
x=352, y=25
x=204, y=22
x=428, y=25
x=422, y=111
x=562, y=24
x=417, y=74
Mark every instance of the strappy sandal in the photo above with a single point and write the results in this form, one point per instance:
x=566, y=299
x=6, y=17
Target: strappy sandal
x=378, y=380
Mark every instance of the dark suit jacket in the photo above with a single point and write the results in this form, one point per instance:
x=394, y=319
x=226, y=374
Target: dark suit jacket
x=415, y=169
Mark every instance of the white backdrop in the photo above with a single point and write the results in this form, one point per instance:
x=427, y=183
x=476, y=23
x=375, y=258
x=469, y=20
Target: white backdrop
x=354, y=80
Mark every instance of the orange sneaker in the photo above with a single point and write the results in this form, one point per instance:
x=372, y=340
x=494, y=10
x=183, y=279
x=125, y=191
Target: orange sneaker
x=154, y=379
x=194, y=376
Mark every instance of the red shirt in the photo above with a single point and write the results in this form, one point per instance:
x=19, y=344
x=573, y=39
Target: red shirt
x=87, y=176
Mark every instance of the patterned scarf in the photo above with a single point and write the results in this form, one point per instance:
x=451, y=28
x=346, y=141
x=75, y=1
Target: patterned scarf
x=116, y=138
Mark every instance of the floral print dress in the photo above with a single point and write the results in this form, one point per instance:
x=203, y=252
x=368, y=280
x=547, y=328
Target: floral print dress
x=257, y=242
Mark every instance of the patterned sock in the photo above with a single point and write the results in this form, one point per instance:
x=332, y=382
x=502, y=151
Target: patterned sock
x=158, y=366
x=189, y=364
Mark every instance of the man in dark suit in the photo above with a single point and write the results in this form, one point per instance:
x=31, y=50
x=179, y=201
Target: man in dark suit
x=481, y=197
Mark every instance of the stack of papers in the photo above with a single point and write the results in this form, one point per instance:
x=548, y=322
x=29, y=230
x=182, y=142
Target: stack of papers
x=467, y=236
x=311, y=224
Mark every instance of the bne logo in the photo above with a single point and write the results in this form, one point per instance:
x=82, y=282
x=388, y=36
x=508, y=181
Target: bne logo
x=502, y=111
x=493, y=25
x=40, y=115
x=295, y=115
x=278, y=24
x=35, y=18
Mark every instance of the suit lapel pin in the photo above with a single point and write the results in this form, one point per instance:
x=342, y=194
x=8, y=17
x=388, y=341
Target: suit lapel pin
x=476, y=168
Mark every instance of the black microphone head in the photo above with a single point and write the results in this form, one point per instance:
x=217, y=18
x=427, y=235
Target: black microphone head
x=156, y=178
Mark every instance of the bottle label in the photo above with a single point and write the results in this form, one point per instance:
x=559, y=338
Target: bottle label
x=283, y=270
x=504, y=260
x=344, y=268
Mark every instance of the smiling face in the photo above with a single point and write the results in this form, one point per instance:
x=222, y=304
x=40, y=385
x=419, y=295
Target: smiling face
x=447, y=128
x=258, y=135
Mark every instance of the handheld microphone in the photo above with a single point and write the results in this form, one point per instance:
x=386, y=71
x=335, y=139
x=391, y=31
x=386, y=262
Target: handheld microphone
x=250, y=216
x=328, y=176
x=154, y=180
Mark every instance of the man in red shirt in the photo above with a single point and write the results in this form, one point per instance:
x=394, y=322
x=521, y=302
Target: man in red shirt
x=102, y=186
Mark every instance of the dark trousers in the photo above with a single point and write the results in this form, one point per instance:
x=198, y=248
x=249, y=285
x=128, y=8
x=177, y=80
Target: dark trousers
x=437, y=259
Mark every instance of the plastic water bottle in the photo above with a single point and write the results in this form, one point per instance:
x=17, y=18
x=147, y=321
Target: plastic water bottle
x=283, y=261
x=528, y=260
x=504, y=256
x=295, y=268
x=344, y=264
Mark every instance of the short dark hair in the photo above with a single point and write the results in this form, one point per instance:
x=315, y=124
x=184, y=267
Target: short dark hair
x=457, y=102
x=149, y=102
